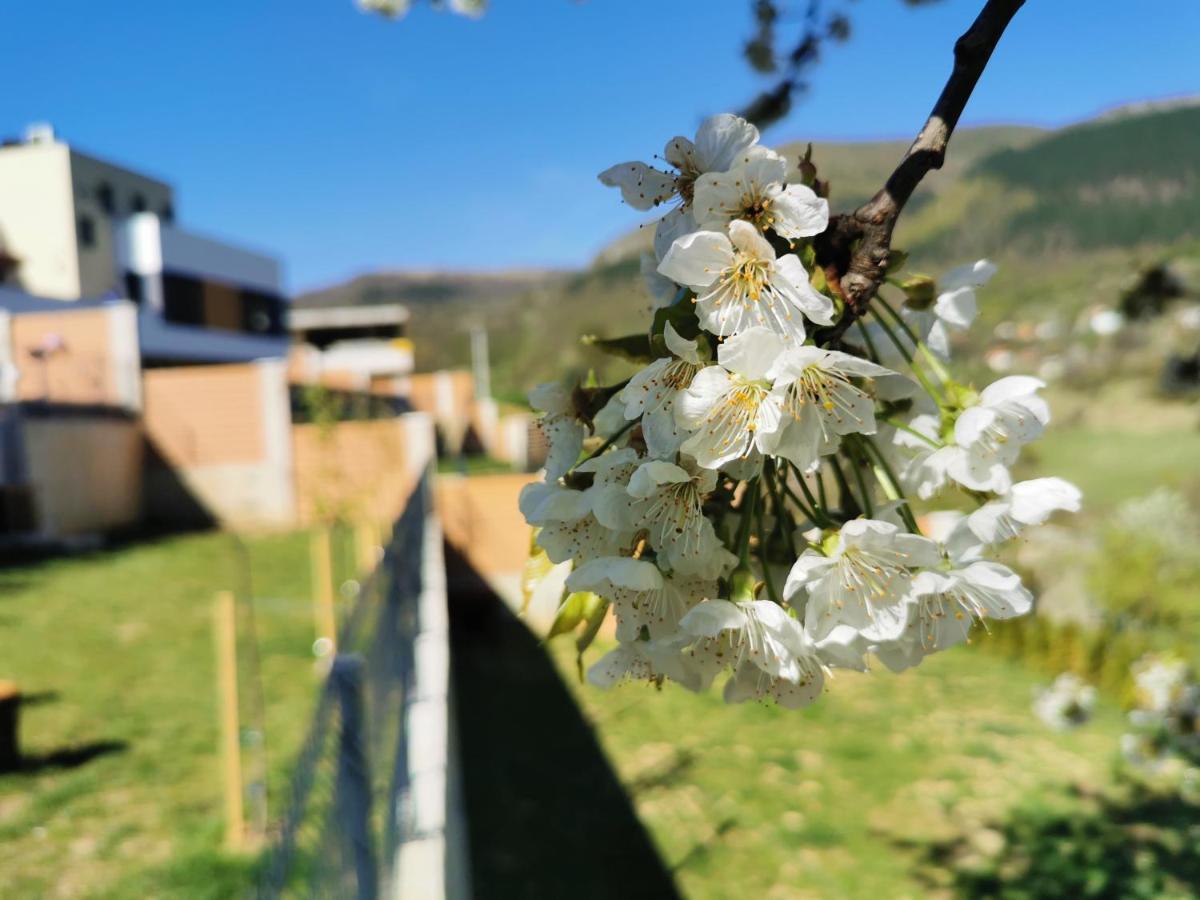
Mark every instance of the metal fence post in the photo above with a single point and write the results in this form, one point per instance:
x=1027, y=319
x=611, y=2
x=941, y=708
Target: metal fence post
x=353, y=790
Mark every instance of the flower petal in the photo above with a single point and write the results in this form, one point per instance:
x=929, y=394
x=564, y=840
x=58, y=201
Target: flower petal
x=697, y=259
x=642, y=187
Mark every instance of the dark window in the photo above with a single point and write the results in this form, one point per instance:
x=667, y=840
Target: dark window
x=104, y=196
x=133, y=287
x=139, y=203
x=262, y=313
x=87, y=232
x=183, y=299
x=167, y=213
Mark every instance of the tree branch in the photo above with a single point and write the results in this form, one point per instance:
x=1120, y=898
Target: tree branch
x=854, y=250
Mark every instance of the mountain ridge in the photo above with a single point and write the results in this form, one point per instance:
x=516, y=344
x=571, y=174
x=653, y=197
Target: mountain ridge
x=1067, y=212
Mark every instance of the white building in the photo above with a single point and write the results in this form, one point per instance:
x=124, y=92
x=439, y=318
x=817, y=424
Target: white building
x=75, y=228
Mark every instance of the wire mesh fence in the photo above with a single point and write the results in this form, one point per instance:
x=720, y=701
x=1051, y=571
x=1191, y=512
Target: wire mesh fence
x=342, y=822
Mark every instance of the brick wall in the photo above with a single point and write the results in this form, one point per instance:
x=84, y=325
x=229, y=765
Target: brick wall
x=77, y=356
x=358, y=470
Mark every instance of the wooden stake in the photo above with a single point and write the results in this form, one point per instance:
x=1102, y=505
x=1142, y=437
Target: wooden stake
x=322, y=577
x=366, y=540
x=225, y=626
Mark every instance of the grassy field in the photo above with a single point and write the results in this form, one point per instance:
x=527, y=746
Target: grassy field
x=756, y=801
x=122, y=797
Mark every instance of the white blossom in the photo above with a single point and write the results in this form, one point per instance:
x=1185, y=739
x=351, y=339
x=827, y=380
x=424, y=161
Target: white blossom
x=562, y=428
x=641, y=595
x=1066, y=704
x=987, y=438
x=640, y=660
x=741, y=283
x=722, y=142
x=757, y=192
x=955, y=307
x=864, y=582
x=1026, y=503
x=651, y=393
x=820, y=401
x=670, y=509
x=568, y=529
x=759, y=632
x=728, y=408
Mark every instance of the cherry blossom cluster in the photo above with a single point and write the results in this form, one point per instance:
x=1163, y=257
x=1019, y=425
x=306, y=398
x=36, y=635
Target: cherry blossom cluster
x=756, y=499
x=1066, y=704
x=1165, y=741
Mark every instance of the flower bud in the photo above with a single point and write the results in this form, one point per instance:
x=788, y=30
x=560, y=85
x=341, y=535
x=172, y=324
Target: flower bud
x=741, y=585
x=919, y=291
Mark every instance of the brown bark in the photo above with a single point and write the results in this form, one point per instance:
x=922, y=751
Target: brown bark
x=854, y=251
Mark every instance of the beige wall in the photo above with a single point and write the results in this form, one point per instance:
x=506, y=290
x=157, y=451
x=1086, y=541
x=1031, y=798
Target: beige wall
x=480, y=517
x=95, y=360
x=37, y=218
x=86, y=473
x=220, y=442
x=359, y=470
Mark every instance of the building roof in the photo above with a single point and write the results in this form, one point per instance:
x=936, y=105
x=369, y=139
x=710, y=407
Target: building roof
x=315, y=317
x=159, y=340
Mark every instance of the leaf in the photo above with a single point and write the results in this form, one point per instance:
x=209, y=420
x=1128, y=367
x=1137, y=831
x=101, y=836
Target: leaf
x=594, y=619
x=573, y=610
x=819, y=281
x=897, y=260
x=682, y=316
x=537, y=567
x=634, y=347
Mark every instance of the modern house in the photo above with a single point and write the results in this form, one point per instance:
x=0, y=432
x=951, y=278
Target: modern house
x=102, y=294
x=74, y=229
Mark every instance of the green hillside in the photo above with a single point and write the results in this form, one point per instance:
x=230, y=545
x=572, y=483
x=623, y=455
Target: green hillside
x=1067, y=213
x=1124, y=181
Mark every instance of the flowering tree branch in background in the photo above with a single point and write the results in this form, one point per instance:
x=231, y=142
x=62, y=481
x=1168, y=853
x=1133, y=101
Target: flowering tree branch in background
x=396, y=9
x=856, y=249
x=822, y=21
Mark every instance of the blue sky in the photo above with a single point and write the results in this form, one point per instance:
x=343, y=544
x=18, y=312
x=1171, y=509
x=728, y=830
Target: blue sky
x=347, y=143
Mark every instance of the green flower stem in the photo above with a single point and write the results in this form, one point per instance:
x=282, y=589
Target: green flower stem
x=862, y=487
x=934, y=363
x=608, y=443
x=781, y=510
x=866, y=335
x=936, y=445
x=815, y=511
x=824, y=505
x=850, y=506
x=763, y=558
x=916, y=369
x=890, y=484
x=749, y=502
x=892, y=336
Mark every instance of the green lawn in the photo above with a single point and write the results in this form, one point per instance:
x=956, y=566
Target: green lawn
x=117, y=650
x=757, y=801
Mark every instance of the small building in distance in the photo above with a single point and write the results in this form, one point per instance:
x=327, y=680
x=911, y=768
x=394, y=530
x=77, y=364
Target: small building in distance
x=361, y=348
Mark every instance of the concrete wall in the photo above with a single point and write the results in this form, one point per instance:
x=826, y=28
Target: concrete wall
x=86, y=473
x=449, y=397
x=37, y=218
x=359, y=470
x=220, y=442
